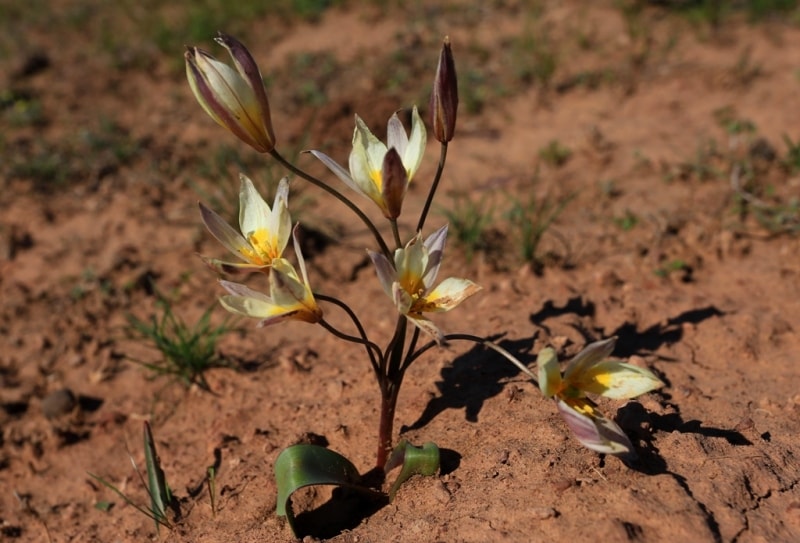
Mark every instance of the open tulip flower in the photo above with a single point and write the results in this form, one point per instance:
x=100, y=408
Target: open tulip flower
x=368, y=157
x=290, y=296
x=589, y=372
x=235, y=98
x=408, y=282
x=264, y=231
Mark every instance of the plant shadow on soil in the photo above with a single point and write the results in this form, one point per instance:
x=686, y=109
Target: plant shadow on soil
x=345, y=510
x=459, y=387
x=473, y=378
x=630, y=341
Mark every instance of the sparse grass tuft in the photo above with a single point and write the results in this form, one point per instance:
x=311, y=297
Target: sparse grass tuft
x=792, y=160
x=469, y=222
x=555, y=154
x=627, y=222
x=530, y=219
x=188, y=351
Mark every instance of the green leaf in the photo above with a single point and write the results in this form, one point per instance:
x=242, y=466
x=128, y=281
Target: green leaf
x=158, y=489
x=303, y=465
x=414, y=461
x=103, y=505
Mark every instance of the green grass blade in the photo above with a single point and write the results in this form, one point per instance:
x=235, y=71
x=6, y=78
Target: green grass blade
x=157, y=483
x=125, y=498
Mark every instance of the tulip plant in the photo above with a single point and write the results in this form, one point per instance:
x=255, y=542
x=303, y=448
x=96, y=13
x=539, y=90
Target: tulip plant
x=406, y=266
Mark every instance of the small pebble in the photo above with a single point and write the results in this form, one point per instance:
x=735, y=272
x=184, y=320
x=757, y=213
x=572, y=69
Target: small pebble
x=58, y=403
x=441, y=492
x=543, y=513
x=560, y=485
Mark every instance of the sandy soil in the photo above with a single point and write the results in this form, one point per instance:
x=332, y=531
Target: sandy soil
x=680, y=238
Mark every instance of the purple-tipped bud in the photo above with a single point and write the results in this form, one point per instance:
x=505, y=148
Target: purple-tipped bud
x=444, y=97
x=235, y=99
x=395, y=183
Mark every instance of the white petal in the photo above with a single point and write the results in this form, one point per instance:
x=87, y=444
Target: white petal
x=285, y=287
x=617, y=380
x=396, y=136
x=402, y=299
x=228, y=85
x=375, y=149
x=223, y=232
x=280, y=221
x=412, y=158
x=594, y=353
x=385, y=271
x=238, y=289
x=248, y=307
x=362, y=172
x=428, y=327
x=549, y=373
x=253, y=210
x=434, y=246
x=301, y=262
x=232, y=268
x=450, y=292
x=410, y=263
x=337, y=170
x=597, y=433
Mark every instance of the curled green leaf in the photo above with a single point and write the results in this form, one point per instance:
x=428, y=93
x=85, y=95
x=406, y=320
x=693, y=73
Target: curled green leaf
x=304, y=465
x=414, y=461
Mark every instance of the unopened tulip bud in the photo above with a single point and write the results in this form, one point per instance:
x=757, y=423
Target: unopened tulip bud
x=395, y=183
x=235, y=99
x=444, y=97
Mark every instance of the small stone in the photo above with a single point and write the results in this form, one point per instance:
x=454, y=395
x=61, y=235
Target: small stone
x=543, y=513
x=441, y=493
x=58, y=403
x=560, y=485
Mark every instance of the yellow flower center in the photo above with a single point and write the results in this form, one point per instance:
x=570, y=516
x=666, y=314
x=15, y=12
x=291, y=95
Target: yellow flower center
x=582, y=406
x=261, y=250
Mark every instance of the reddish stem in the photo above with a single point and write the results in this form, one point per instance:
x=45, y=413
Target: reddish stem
x=389, y=395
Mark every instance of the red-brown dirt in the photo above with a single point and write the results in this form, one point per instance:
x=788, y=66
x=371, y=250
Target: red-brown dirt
x=679, y=236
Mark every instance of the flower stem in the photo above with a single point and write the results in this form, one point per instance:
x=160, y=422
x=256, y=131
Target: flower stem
x=390, y=380
x=338, y=195
x=389, y=395
x=396, y=233
x=429, y=201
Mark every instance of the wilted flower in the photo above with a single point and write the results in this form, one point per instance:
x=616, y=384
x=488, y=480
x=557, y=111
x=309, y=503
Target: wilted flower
x=264, y=231
x=236, y=99
x=290, y=296
x=410, y=280
x=368, y=162
x=444, y=96
x=589, y=372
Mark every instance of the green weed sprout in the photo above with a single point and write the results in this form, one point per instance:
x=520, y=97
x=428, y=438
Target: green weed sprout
x=530, y=219
x=469, y=224
x=406, y=264
x=156, y=486
x=555, y=153
x=188, y=351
